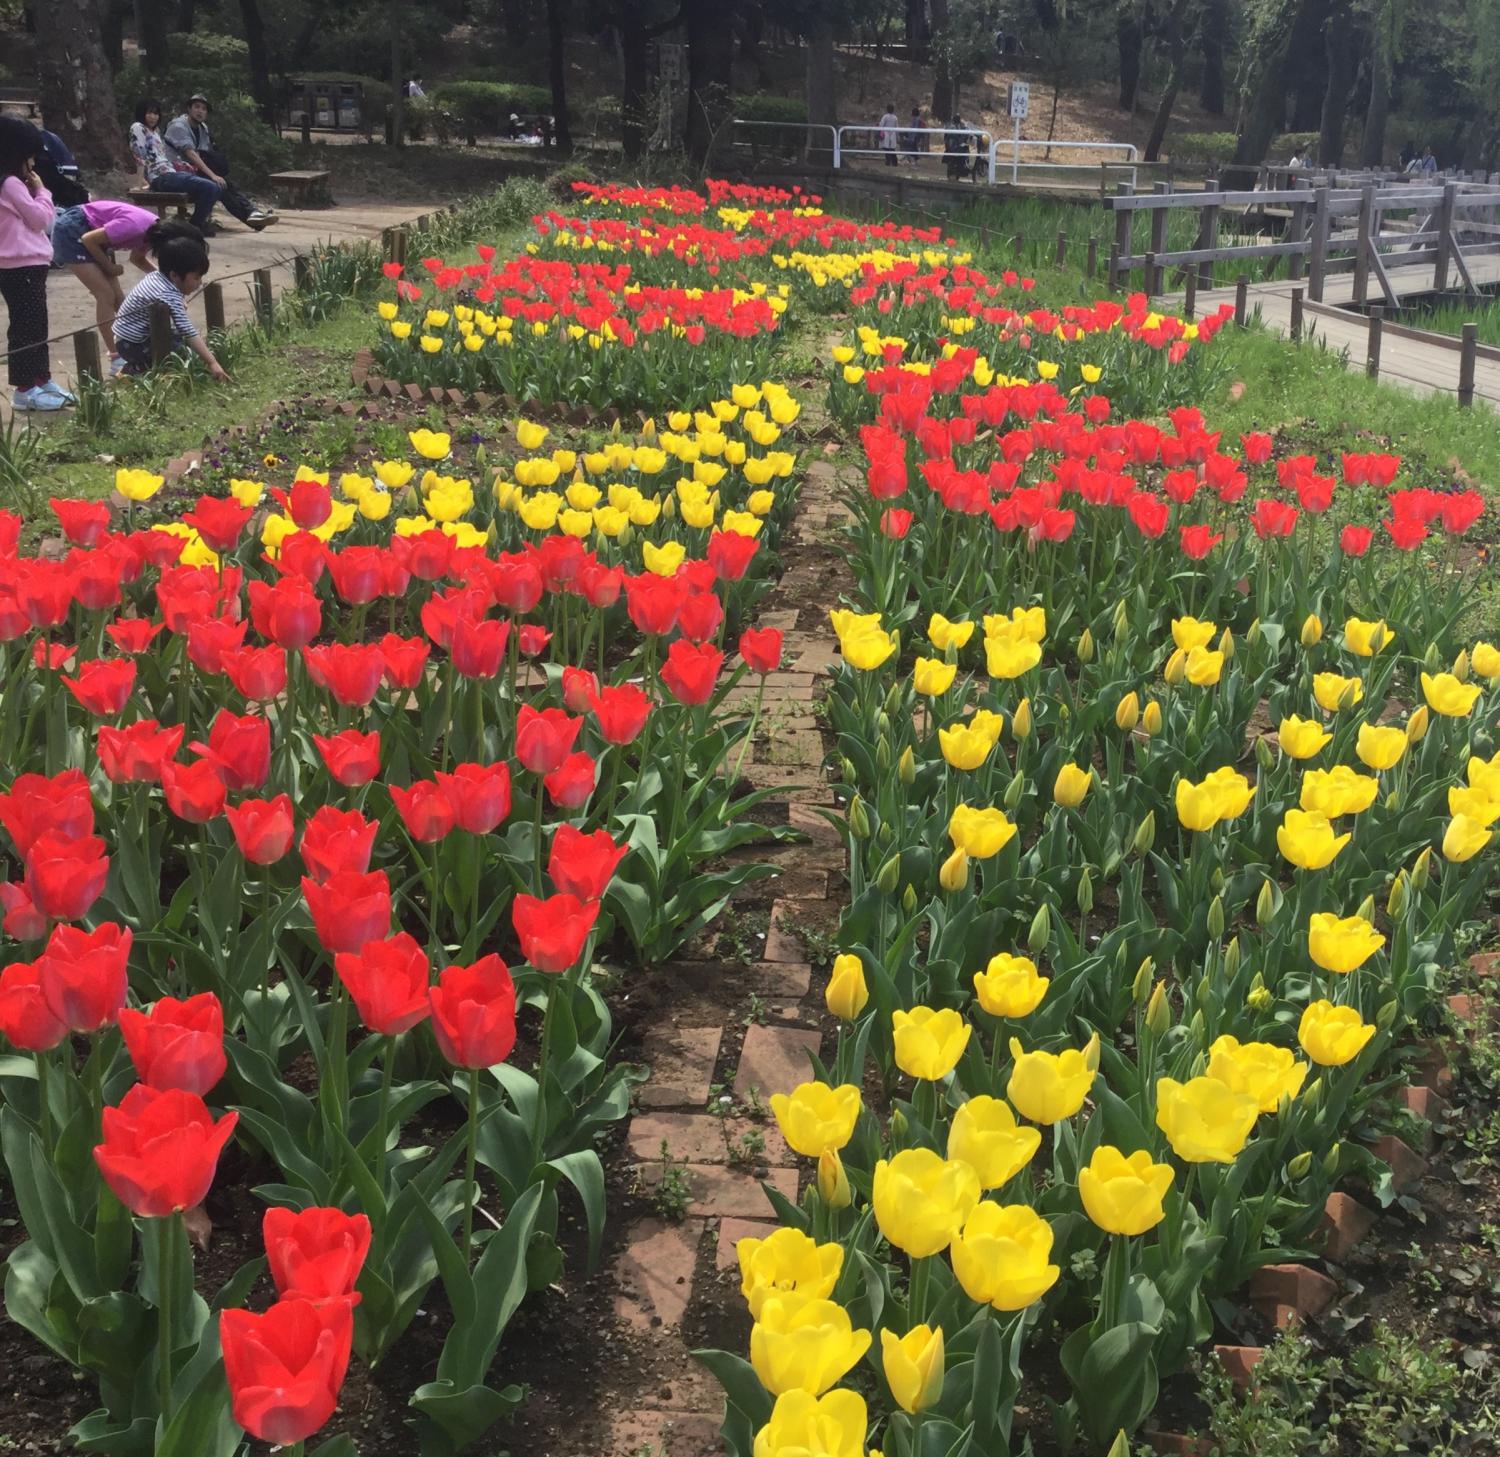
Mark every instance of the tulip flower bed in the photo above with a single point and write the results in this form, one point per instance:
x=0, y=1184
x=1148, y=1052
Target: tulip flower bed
x=1174, y=776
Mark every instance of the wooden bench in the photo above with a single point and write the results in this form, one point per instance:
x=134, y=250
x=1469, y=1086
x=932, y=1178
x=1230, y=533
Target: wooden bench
x=302, y=189
x=160, y=201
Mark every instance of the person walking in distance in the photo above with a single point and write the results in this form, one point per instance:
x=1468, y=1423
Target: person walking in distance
x=890, y=124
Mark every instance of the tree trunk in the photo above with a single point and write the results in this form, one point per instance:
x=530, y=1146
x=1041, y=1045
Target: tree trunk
x=917, y=34
x=752, y=31
x=1130, y=39
x=822, y=94
x=513, y=21
x=1176, y=46
x=943, y=97
x=398, y=96
x=1213, y=31
x=1372, y=144
x=260, y=61
x=710, y=39
x=635, y=78
x=1264, y=97
x=76, y=91
x=151, y=33
x=187, y=13
x=1309, y=83
x=1338, y=40
x=112, y=34
x=557, y=74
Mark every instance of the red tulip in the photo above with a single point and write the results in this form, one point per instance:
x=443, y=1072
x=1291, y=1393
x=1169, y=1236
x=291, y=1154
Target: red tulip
x=285, y=1367
x=895, y=523
x=544, y=737
x=621, y=712
x=177, y=1044
x=552, y=931
x=104, y=685
x=83, y=975
x=258, y=674
x=699, y=616
x=351, y=672
x=239, y=746
x=160, y=1150
x=37, y=804
x=83, y=522
x=351, y=757
x=405, y=659
x=516, y=582
x=301, y=555
x=22, y=919
x=474, y=1013
x=1149, y=514
x=194, y=792
x=479, y=794
x=478, y=647
x=425, y=810
x=760, y=647
x=1406, y=532
x=730, y=554
x=349, y=910
x=581, y=864
x=427, y=555
x=310, y=503
x=219, y=520
x=25, y=1018
x=1461, y=510
x=691, y=671
x=337, y=841
x=579, y=688
x=132, y=634
x=316, y=1254
x=1198, y=541
x=599, y=585
x=1257, y=447
x=45, y=591
x=287, y=613
x=388, y=980
x=53, y=655
x=571, y=783
x=65, y=876
x=135, y=754
x=262, y=828
x=213, y=640
x=533, y=639
x=1273, y=518
x=359, y=573
x=654, y=602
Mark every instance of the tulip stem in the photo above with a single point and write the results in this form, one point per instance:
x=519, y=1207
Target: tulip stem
x=471, y=1191
x=539, y=1129
x=536, y=834
x=44, y=1101
x=165, y=1229
x=383, y=1116
x=917, y=1292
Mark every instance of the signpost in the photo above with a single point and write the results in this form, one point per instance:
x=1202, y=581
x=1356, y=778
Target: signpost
x=1020, y=102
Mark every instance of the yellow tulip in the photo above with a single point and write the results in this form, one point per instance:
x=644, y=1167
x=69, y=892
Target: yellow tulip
x=1205, y=1120
x=663, y=560
x=1260, y=1070
x=1071, y=785
x=833, y=1182
x=1127, y=713
x=430, y=444
x=1091, y=373
x=965, y=746
x=814, y=1117
x=803, y=1425
x=1046, y=368
x=435, y=319
x=1332, y=1036
x=932, y=676
x=1341, y=943
x=539, y=511
x=375, y=505
x=943, y=634
x=247, y=493
x=1301, y=738
x=400, y=329
x=138, y=485
x=1337, y=791
x=1475, y=803
x=1123, y=1194
x=1232, y=791
x=847, y=991
x=1197, y=805
x=1447, y=696
x=1002, y=1256
x=1365, y=639
x=1486, y=660
x=1333, y=692
x=929, y=1041
x=1308, y=840
x=1380, y=748
x=1204, y=667
x=913, y=1366
x=803, y=1343
x=1464, y=839
x=786, y=1260
x=921, y=1200
x=530, y=435
x=1312, y=630
x=985, y=1135
x=1048, y=1087
x=953, y=875
x=759, y=503
x=1151, y=718
x=430, y=343
x=1010, y=986
x=980, y=833
x=386, y=309
x=842, y=353
x=1484, y=775
x=1020, y=720
x=1189, y=633
x=1006, y=657
x=393, y=474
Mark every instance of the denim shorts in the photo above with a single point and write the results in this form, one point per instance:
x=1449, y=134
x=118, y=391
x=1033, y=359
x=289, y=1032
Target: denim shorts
x=67, y=232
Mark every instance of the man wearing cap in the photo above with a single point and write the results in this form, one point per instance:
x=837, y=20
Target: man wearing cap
x=191, y=149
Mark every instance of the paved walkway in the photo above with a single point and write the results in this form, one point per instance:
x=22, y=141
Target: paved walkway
x=237, y=252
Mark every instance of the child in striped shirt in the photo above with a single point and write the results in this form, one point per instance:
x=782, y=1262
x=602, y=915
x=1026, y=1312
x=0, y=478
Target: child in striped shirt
x=181, y=264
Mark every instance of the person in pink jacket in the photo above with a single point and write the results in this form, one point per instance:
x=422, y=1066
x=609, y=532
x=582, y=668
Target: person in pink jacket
x=26, y=215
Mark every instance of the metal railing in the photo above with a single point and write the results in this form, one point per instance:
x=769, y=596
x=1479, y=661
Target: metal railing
x=985, y=153
x=809, y=127
x=1014, y=144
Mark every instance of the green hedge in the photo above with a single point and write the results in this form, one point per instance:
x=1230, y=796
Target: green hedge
x=1219, y=146
x=770, y=108
x=776, y=141
x=485, y=106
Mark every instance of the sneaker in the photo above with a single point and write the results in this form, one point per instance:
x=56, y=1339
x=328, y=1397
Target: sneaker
x=35, y=399
x=116, y=364
x=259, y=220
x=54, y=391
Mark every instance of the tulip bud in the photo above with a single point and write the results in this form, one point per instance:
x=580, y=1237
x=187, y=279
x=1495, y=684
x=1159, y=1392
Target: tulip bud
x=1267, y=903
x=1312, y=630
x=1020, y=724
x=1086, y=646
x=1232, y=958
x=1430, y=658
x=1331, y=1161
x=1260, y=998
x=1312, y=1095
x=1121, y=622
x=893, y=698
x=1140, y=988
x=909, y=898
x=1393, y=800
x=1196, y=1029
x=1216, y=879
x=1461, y=666
x=1120, y=1447
x=847, y=991
x=846, y=772
x=889, y=874
x=1263, y=755
x=1176, y=669
x=626, y=536
x=1366, y=909
x=1421, y=871
x=1086, y=891
x=954, y=875
x=1386, y=1016
x=885, y=835
x=1350, y=696
x=1127, y=713
x=1299, y=1166
x=1216, y=918
x=898, y=1126
x=1253, y=634
x=1395, y=902
x=859, y=819
x=1416, y=725
x=833, y=1182
x=1091, y=1053
x=1226, y=645
x=1014, y=790
x=481, y=458
x=1158, y=1013
x=906, y=766
x=1145, y=834
x=1151, y=718
x=883, y=756
x=1041, y=930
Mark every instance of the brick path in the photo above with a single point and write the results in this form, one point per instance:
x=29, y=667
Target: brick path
x=662, y=1265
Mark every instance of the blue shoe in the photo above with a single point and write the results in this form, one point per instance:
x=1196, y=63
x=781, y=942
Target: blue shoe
x=36, y=400
x=52, y=391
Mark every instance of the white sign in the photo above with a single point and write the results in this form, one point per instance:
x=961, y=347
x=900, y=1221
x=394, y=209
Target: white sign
x=670, y=61
x=1020, y=99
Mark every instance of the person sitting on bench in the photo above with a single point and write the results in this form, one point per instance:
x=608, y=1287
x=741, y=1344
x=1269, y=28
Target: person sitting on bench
x=191, y=149
x=161, y=176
